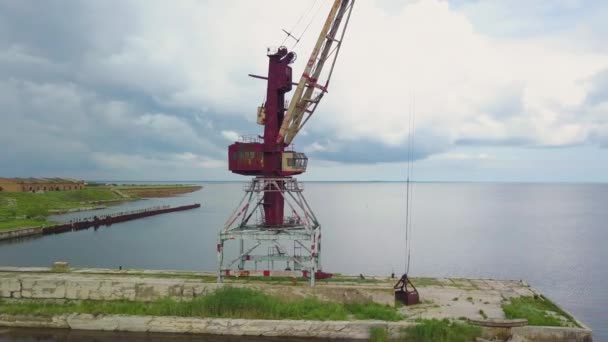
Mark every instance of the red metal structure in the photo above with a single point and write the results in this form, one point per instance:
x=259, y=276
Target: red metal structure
x=252, y=157
x=269, y=159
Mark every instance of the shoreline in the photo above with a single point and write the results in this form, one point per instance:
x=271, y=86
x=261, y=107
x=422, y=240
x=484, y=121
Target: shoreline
x=93, y=222
x=95, y=198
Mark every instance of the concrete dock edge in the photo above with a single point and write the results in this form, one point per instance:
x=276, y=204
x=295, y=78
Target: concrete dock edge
x=256, y=327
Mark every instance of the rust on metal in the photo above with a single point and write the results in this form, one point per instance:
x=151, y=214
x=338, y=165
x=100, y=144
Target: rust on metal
x=405, y=295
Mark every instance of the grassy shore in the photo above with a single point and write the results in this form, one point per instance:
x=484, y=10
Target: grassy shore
x=538, y=311
x=224, y=303
x=26, y=209
x=156, y=190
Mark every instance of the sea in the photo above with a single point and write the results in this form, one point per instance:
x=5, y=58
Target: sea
x=553, y=236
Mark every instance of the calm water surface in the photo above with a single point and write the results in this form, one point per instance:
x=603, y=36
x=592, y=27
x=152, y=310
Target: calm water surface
x=553, y=236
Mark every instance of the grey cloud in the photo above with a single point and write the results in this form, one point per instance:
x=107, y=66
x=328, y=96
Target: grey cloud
x=424, y=144
x=507, y=102
x=599, y=89
x=511, y=141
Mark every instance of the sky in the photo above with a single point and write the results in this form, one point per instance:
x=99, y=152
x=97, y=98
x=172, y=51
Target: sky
x=509, y=91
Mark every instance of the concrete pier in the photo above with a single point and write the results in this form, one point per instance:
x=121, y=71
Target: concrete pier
x=476, y=300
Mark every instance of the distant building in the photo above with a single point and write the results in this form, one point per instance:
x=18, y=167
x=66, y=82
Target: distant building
x=39, y=184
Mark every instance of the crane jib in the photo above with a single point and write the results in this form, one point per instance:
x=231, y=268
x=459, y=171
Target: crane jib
x=304, y=100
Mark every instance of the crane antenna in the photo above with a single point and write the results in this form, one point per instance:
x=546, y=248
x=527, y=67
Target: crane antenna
x=302, y=16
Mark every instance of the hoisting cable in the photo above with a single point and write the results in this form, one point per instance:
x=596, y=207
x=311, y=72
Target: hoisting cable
x=307, y=26
x=409, y=187
x=405, y=291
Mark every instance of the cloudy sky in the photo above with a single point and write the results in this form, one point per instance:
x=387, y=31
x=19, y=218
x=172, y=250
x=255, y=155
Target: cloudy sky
x=156, y=90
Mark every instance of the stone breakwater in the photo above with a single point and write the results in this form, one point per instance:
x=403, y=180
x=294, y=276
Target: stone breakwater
x=95, y=221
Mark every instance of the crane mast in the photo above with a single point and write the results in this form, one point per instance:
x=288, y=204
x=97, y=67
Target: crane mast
x=269, y=157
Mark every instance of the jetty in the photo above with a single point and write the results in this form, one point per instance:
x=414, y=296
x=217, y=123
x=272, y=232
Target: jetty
x=94, y=221
x=476, y=302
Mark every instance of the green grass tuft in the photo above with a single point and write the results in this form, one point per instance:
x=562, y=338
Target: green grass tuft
x=434, y=330
x=538, y=311
x=378, y=334
x=226, y=302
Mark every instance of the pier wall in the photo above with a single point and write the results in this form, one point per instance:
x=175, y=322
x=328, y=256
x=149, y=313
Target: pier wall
x=48, y=285
x=257, y=327
x=62, y=283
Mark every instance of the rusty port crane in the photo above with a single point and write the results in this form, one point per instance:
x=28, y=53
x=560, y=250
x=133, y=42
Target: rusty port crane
x=273, y=211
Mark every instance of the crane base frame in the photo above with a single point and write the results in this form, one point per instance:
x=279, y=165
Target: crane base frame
x=246, y=226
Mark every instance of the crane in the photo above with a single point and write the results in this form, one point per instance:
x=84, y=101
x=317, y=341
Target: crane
x=268, y=156
x=273, y=195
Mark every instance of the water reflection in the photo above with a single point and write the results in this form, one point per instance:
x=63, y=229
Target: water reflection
x=64, y=335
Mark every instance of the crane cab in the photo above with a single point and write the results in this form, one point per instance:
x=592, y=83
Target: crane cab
x=248, y=158
x=294, y=162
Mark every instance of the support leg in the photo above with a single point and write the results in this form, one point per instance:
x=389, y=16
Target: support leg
x=220, y=260
x=241, y=252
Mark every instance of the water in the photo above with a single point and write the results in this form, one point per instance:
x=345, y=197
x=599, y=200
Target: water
x=63, y=335
x=551, y=235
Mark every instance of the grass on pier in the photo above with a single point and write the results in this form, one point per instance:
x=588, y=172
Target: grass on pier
x=538, y=311
x=224, y=303
x=430, y=330
x=26, y=209
x=434, y=330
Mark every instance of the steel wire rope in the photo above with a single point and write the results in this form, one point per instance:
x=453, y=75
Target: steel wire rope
x=302, y=16
x=308, y=25
x=409, y=186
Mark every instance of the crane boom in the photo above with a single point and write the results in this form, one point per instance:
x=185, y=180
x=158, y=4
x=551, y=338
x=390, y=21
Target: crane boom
x=305, y=100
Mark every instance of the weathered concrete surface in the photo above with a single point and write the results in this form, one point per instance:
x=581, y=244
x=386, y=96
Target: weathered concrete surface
x=218, y=326
x=441, y=298
x=104, y=286
x=550, y=334
x=254, y=327
x=455, y=298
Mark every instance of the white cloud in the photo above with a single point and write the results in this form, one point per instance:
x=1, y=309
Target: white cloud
x=160, y=83
x=314, y=147
x=462, y=156
x=424, y=48
x=231, y=136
